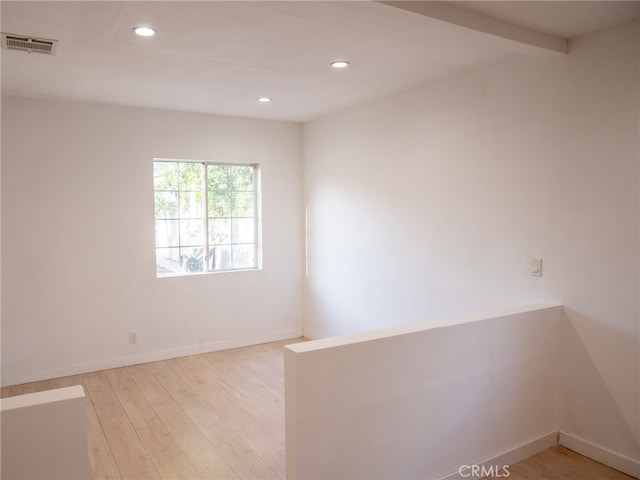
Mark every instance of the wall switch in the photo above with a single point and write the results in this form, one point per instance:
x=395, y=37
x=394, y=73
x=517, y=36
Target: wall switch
x=536, y=267
x=133, y=337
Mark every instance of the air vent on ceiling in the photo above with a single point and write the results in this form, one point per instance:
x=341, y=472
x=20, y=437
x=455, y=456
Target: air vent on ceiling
x=29, y=44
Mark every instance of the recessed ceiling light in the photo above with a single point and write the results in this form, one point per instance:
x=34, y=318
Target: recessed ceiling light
x=340, y=64
x=144, y=31
x=264, y=99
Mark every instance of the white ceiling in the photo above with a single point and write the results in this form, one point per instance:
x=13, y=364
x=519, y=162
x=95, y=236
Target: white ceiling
x=567, y=19
x=219, y=57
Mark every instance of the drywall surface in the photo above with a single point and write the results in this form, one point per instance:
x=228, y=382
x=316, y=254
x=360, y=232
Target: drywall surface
x=44, y=435
x=432, y=203
x=0, y=257
x=78, y=239
x=421, y=401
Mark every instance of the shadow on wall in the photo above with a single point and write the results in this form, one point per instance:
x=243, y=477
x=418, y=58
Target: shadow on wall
x=606, y=414
x=421, y=400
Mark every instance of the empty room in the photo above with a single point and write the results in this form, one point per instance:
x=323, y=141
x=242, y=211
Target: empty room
x=320, y=239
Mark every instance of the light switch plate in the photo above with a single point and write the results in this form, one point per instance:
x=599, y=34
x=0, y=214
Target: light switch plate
x=536, y=267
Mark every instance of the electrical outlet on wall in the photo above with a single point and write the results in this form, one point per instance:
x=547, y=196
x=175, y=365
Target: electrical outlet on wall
x=133, y=336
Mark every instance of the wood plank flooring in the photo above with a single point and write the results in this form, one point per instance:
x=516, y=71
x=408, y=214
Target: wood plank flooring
x=212, y=416
x=220, y=415
x=560, y=463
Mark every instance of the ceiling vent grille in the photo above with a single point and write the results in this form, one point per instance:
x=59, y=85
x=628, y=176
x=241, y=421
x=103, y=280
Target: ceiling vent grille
x=29, y=44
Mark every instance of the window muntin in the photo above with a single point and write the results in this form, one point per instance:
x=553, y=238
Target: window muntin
x=205, y=216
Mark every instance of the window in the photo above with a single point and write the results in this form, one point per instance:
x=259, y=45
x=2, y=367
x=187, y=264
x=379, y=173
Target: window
x=206, y=217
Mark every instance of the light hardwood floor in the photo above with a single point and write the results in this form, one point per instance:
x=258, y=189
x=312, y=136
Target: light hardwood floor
x=560, y=463
x=219, y=415
x=212, y=416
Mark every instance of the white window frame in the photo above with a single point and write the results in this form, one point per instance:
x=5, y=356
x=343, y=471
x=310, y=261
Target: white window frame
x=208, y=246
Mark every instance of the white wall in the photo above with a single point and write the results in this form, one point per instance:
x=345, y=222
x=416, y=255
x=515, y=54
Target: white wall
x=430, y=203
x=44, y=435
x=0, y=264
x=421, y=401
x=78, y=260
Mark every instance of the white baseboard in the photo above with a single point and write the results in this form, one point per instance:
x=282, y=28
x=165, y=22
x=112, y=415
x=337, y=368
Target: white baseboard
x=509, y=457
x=614, y=460
x=146, y=357
x=584, y=447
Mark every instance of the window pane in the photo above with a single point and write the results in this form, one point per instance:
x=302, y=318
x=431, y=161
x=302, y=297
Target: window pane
x=192, y=259
x=243, y=256
x=220, y=231
x=196, y=232
x=166, y=204
x=168, y=260
x=242, y=204
x=242, y=230
x=191, y=205
x=221, y=258
x=167, y=233
x=190, y=176
x=165, y=175
x=218, y=177
x=242, y=178
x=191, y=233
x=219, y=204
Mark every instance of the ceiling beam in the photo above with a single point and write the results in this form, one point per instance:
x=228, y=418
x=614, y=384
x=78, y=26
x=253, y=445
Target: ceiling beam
x=493, y=30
